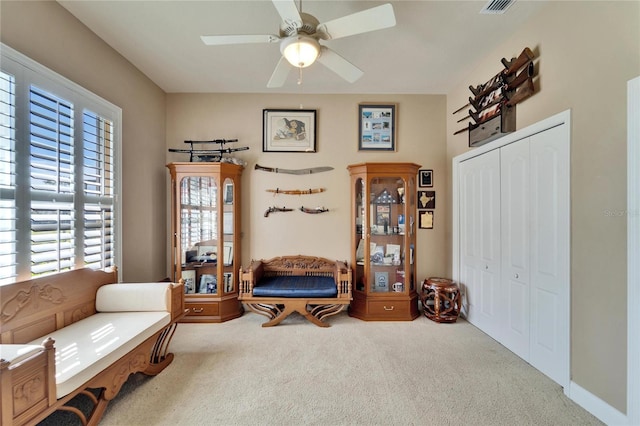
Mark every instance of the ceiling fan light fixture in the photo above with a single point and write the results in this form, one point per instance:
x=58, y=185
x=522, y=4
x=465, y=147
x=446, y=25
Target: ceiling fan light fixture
x=301, y=51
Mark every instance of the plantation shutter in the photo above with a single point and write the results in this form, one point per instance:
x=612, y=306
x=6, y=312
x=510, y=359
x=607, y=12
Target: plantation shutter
x=52, y=182
x=98, y=180
x=8, y=237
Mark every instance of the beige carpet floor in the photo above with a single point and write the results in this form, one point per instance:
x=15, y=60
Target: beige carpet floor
x=352, y=373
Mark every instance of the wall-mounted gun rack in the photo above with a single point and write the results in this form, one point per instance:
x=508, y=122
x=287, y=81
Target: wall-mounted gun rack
x=494, y=102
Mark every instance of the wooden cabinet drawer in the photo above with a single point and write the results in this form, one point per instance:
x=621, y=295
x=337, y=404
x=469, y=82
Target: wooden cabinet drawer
x=202, y=309
x=390, y=308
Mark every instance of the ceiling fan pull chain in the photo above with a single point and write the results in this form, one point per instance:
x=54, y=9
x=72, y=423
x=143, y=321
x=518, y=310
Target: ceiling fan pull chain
x=299, y=76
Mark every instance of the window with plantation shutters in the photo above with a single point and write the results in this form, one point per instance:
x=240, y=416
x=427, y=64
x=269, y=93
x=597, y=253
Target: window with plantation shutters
x=58, y=173
x=7, y=178
x=51, y=172
x=98, y=187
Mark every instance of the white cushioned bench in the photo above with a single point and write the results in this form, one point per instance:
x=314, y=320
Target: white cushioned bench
x=128, y=314
x=96, y=333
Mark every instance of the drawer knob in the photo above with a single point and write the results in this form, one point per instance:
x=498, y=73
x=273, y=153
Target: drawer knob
x=197, y=310
x=389, y=309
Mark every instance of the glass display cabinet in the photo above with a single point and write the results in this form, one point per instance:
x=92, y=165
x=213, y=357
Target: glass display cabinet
x=205, y=238
x=383, y=241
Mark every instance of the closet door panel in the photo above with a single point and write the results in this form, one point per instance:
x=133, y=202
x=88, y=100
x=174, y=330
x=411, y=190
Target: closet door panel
x=515, y=247
x=480, y=240
x=550, y=253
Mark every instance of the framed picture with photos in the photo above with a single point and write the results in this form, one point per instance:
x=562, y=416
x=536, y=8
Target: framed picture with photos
x=377, y=127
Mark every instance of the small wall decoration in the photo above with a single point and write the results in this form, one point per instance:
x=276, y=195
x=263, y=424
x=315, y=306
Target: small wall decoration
x=426, y=199
x=425, y=219
x=425, y=178
x=377, y=125
x=289, y=130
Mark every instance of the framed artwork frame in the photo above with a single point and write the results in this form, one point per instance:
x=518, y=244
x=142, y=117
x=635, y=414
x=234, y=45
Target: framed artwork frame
x=208, y=284
x=227, y=254
x=289, y=130
x=228, y=281
x=425, y=178
x=426, y=200
x=189, y=278
x=228, y=193
x=425, y=219
x=227, y=223
x=376, y=127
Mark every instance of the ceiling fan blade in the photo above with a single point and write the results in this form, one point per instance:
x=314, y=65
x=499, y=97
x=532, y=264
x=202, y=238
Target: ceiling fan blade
x=339, y=65
x=280, y=74
x=372, y=19
x=288, y=12
x=239, y=39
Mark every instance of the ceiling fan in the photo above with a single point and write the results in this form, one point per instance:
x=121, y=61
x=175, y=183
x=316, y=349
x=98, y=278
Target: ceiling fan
x=300, y=34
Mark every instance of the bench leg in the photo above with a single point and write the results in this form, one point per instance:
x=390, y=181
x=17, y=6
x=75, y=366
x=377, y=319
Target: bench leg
x=323, y=311
x=277, y=313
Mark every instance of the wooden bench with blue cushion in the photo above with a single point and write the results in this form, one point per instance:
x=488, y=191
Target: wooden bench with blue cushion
x=314, y=287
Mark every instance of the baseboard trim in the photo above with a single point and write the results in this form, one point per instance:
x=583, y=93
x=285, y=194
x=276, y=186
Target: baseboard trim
x=596, y=406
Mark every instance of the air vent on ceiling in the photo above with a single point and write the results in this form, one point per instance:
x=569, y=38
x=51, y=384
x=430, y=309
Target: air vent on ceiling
x=495, y=7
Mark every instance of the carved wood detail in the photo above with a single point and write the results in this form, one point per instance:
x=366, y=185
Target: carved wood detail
x=299, y=262
x=81, y=313
x=48, y=293
x=26, y=394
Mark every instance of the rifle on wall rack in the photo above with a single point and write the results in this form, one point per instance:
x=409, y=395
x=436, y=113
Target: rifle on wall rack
x=511, y=67
x=498, y=98
x=508, y=95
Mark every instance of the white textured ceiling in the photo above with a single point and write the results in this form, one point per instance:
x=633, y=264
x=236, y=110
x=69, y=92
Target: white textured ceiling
x=427, y=52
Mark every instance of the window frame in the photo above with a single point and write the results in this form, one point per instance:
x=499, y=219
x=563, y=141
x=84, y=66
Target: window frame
x=28, y=73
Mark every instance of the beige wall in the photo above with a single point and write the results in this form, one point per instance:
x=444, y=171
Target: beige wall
x=420, y=139
x=587, y=52
x=48, y=34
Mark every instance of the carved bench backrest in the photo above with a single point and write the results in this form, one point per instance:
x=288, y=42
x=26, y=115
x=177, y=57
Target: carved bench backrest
x=299, y=266
x=37, y=307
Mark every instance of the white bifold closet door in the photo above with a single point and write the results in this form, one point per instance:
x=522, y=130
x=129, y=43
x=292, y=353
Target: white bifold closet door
x=514, y=247
x=550, y=240
x=480, y=241
x=515, y=213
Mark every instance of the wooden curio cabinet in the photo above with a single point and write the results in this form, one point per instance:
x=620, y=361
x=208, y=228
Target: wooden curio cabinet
x=383, y=241
x=205, y=238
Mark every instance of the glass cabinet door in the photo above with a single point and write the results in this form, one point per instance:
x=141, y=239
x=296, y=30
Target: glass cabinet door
x=360, y=224
x=387, y=248
x=199, y=233
x=228, y=230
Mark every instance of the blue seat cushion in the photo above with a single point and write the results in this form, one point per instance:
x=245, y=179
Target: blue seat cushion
x=296, y=286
